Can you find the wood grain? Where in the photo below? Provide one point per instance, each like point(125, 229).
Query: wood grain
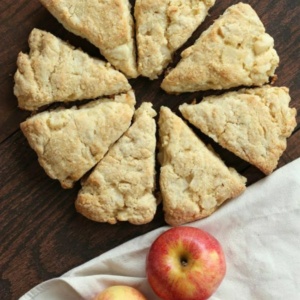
point(42, 236)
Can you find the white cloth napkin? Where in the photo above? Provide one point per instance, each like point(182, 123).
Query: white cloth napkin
point(259, 232)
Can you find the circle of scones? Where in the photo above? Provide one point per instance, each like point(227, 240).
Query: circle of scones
point(114, 156)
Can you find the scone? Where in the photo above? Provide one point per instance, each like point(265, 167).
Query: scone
point(106, 24)
point(69, 142)
point(120, 188)
point(234, 51)
point(194, 181)
point(252, 123)
point(54, 71)
point(162, 26)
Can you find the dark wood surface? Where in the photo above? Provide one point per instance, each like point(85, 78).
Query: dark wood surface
point(42, 236)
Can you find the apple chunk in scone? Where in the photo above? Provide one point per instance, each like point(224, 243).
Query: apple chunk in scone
point(194, 181)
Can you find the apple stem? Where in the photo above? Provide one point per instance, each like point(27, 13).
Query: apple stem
point(184, 261)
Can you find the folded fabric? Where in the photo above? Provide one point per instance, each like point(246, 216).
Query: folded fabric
point(259, 232)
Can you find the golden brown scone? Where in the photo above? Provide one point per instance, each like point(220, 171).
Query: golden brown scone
point(54, 71)
point(194, 181)
point(162, 26)
point(69, 142)
point(106, 24)
point(252, 123)
point(121, 186)
point(234, 51)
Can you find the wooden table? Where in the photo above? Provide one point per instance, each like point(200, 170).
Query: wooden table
point(42, 236)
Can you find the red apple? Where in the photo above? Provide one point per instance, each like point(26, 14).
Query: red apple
point(120, 292)
point(185, 263)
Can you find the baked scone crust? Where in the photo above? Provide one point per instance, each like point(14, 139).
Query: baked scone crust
point(234, 51)
point(162, 26)
point(121, 186)
point(194, 181)
point(106, 24)
point(252, 123)
point(69, 142)
point(54, 71)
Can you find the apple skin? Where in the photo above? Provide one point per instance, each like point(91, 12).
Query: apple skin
point(120, 292)
point(185, 263)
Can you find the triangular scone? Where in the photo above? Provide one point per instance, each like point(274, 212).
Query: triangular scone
point(234, 51)
point(252, 123)
point(121, 186)
point(55, 71)
point(194, 181)
point(162, 26)
point(106, 24)
point(69, 142)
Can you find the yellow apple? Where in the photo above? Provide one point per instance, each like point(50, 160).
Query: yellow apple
point(120, 292)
